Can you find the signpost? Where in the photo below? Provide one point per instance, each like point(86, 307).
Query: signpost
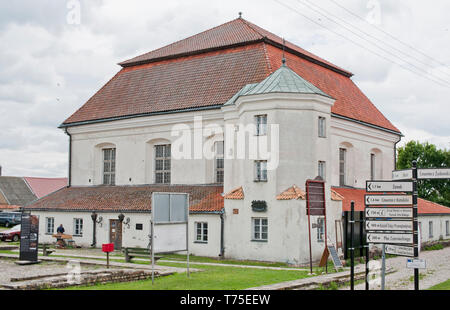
point(389, 187)
point(388, 200)
point(381, 238)
point(389, 213)
point(315, 205)
point(400, 250)
point(390, 225)
point(415, 263)
point(422, 174)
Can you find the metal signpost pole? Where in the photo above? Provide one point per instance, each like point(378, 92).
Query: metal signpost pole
point(383, 267)
point(152, 245)
point(187, 235)
point(352, 249)
point(309, 227)
point(366, 247)
point(415, 223)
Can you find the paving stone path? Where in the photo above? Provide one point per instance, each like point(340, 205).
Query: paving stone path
point(438, 271)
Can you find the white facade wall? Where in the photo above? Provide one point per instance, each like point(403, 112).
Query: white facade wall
point(130, 236)
point(439, 231)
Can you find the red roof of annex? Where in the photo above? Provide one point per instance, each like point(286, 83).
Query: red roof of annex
point(206, 70)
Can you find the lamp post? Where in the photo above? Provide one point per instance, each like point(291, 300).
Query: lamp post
point(94, 223)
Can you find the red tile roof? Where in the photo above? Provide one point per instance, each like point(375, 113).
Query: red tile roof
point(203, 198)
point(357, 195)
point(43, 186)
point(292, 193)
point(9, 207)
point(236, 194)
point(209, 68)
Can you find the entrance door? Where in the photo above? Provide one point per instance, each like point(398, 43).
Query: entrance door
point(115, 233)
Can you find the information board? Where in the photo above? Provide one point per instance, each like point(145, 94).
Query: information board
point(315, 197)
point(29, 237)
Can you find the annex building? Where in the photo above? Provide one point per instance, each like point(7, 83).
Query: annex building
point(123, 148)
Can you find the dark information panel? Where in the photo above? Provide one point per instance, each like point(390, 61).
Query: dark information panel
point(315, 197)
point(335, 257)
point(29, 235)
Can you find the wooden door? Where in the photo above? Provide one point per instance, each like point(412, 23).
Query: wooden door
point(115, 233)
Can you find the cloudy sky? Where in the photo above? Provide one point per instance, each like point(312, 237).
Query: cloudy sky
point(55, 54)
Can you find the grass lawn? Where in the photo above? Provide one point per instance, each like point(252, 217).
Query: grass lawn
point(209, 278)
point(444, 286)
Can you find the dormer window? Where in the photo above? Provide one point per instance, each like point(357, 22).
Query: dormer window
point(261, 125)
point(260, 171)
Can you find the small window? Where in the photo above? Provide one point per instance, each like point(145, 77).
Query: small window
point(430, 226)
point(322, 127)
point(78, 227)
point(162, 164)
point(321, 169)
point(372, 167)
point(109, 166)
point(342, 166)
point(139, 226)
point(320, 229)
point(260, 171)
point(420, 231)
point(219, 162)
point(50, 225)
point(261, 125)
point(201, 232)
point(260, 229)
point(447, 228)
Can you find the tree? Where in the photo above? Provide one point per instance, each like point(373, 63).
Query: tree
point(427, 156)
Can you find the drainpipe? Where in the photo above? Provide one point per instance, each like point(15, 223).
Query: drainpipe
point(222, 222)
point(395, 152)
point(70, 158)
point(94, 230)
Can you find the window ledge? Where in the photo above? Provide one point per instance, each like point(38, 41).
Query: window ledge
point(201, 242)
point(260, 181)
point(77, 236)
point(49, 234)
point(262, 241)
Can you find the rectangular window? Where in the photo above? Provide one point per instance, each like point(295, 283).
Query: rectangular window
point(162, 164)
point(420, 231)
point(109, 166)
point(49, 225)
point(320, 229)
point(139, 226)
point(219, 162)
point(260, 229)
point(447, 228)
point(430, 232)
point(261, 125)
point(322, 127)
point(372, 167)
point(78, 227)
point(342, 166)
point(321, 169)
point(260, 171)
point(201, 232)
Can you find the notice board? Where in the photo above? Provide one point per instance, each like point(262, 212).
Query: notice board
point(29, 237)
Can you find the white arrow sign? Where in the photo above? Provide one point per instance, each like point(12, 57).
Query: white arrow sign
point(416, 263)
point(389, 212)
point(402, 175)
point(387, 186)
point(388, 200)
point(390, 238)
point(399, 250)
point(390, 225)
point(433, 173)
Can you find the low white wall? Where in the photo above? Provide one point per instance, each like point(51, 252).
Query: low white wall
point(130, 236)
point(439, 229)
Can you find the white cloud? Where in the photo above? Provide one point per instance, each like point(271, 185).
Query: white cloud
point(49, 68)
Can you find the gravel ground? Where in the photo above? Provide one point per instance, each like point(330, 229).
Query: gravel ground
point(438, 271)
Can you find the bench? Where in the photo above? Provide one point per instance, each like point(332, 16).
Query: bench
point(46, 251)
point(130, 253)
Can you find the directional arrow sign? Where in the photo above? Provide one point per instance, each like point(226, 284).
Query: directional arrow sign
point(390, 225)
point(402, 175)
point(433, 173)
point(390, 238)
point(416, 263)
point(388, 200)
point(406, 213)
point(388, 186)
point(400, 250)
